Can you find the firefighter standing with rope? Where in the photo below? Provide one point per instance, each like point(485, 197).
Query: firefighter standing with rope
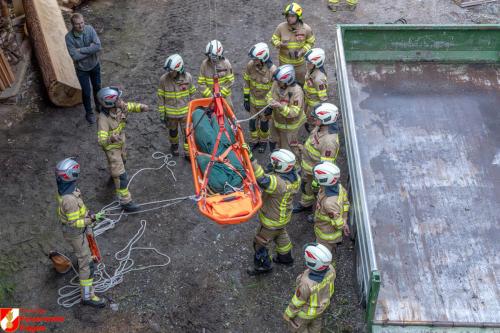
point(111, 136)
point(75, 218)
point(216, 64)
point(321, 145)
point(258, 79)
point(286, 100)
point(316, 84)
point(175, 91)
point(293, 39)
point(315, 288)
point(279, 186)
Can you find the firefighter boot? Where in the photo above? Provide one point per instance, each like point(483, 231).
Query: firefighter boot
point(174, 149)
point(131, 207)
point(284, 259)
point(261, 263)
point(88, 296)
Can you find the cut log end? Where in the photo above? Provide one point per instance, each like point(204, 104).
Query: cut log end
point(63, 95)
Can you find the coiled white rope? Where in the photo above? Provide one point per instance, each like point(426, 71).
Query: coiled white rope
point(69, 295)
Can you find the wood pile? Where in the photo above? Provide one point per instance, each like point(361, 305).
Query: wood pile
point(7, 77)
point(47, 30)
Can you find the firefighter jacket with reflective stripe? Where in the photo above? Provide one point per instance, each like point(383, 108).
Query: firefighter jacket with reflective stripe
point(315, 87)
point(258, 79)
point(114, 123)
point(277, 196)
point(290, 116)
point(311, 298)
point(295, 42)
point(206, 78)
point(321, 145)
point(72, 212)
point(331, 214)
point(174, 95)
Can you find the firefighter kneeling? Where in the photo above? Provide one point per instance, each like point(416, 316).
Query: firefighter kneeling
point(315, 288)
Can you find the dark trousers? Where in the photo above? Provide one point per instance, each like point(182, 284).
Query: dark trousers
point(86, 78)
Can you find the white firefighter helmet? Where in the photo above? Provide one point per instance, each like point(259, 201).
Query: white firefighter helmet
point(259, 51)
point(174, 63)
point(214, 49)
point(67, 170)
point(326, 173)
point(315, 56)
point(108, 96)
point(327, 113)
point(285, 74)
point(282, 160)
point(318, 257)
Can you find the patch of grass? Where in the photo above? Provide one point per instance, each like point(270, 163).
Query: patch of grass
point(8, 265)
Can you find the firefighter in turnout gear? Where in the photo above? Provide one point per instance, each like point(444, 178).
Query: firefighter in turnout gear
point(315, 288)
point(279, 186)
point(286, 100)
point(75, 218)
point(332, 206)
point(258, 79)
point(216, 64)
point(316, 84)
point(321, 145)
point(111, 136)
point(293, 39)
point(334, 5)
point(175, 91)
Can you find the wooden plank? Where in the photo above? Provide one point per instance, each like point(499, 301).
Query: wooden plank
point(47, 30)
point(8, 69)
point(20, 69)
point(18, 7)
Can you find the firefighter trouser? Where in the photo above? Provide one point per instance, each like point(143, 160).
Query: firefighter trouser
point(81, 249)
point(259, 126)
point(280, 237)
point(307, 196)
point(329, 245)
point(287, 139)
point(307, 325)
point(337, 2)
point(173, 125)
point(116, 161)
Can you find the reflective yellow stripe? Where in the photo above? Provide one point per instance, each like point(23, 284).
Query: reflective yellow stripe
point(257, 102)
point(86, 283)
point(133, 107)
point(272, 185)
point(295, 45)
point(292, 126)
point(289, 313)
point(113, 146)
point(269, 223)
point(122, 192)
point(310, 149)
point(292, 61)
point(161, 109)
point(259, 172)
point(306, 166)
point(225, 91)
point(313, 305)
point(328, 159)
point(192, 90)
point(328, 237)
point(246, 91)
point(296, 301)
point(246, 77)
point(275, 40)
point(312, 102)
point(207, 92)
point(176, 111)
point(284, 249)
point(174, 94)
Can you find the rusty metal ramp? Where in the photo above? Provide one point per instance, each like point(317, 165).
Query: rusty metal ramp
point(429, 145)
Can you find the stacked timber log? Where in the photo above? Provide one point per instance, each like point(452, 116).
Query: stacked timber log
point(47, 30)
point(7, 78)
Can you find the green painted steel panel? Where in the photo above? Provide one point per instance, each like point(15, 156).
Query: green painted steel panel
point(469, 43)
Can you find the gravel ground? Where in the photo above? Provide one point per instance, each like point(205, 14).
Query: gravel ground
point(205, 287)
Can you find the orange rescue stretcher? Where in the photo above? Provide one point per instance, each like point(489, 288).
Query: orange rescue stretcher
point(232, 208)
